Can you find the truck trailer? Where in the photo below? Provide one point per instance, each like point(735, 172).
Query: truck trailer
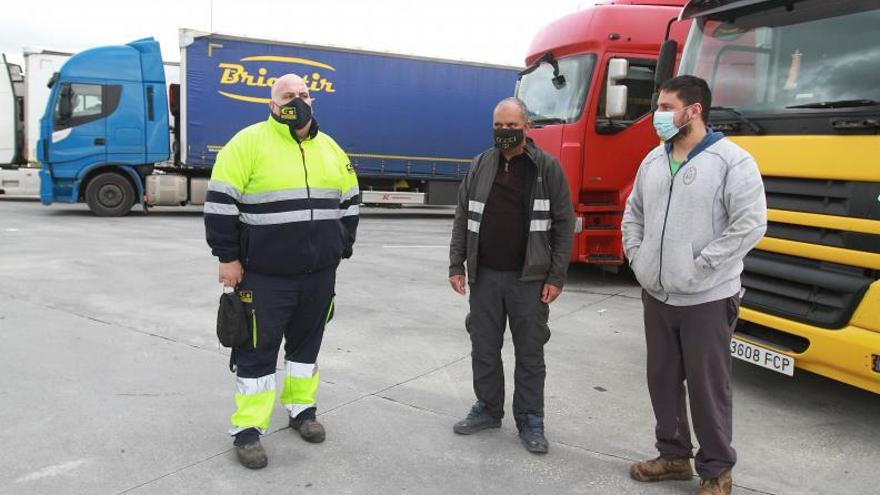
point(409, 124)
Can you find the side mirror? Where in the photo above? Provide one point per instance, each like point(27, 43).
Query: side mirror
point(65, 105)
point(615, 95)
point(665, 67)
point(665, 62)
point(559, 81)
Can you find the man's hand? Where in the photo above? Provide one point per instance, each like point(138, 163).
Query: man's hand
point(457, 282)
point(231, 273)
point(550, 293)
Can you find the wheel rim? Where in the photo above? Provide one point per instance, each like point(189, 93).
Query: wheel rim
point(110, 196)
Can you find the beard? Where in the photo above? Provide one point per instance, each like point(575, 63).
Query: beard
point(683, 132)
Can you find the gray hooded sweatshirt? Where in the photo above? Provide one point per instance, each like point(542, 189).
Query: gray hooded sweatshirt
point(685, 235)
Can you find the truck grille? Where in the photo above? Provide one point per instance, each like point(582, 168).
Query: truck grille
point(809, 291)
point(826, 237)
point(826, 197)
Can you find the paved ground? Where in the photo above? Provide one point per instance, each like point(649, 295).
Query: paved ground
point(112, 381)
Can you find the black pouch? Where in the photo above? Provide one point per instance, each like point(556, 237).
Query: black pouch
point(232, 321)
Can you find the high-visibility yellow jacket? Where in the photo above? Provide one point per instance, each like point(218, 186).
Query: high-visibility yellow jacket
point(280, 206)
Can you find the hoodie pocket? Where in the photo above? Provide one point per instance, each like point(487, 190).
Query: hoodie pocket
point(645, 265)
point(636, 266)
point(679, 275)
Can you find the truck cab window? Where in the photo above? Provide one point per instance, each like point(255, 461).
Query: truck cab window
point(640, 83)
point(778, 62)
point(78, 104)
point(549, 104)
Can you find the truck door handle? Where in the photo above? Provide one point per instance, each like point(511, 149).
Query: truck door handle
point(100, 141)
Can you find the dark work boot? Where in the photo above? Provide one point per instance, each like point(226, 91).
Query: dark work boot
point(308, 426)
point(531, 432)
point(478, 419)
point(249, 450)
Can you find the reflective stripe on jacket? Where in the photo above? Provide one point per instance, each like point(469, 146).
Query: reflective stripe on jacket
point(280, 206)
point(551, 218)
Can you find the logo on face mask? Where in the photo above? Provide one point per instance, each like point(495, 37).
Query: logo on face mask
point(288, 113)
point(296, 113)
point(506, 139)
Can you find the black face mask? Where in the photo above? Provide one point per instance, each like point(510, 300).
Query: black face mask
point(296, 114)
point(506, 139)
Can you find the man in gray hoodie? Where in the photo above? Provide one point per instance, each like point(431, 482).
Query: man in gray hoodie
point(696, 209)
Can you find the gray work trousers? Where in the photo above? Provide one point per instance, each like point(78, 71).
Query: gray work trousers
point(692, 344)
point(498, 298)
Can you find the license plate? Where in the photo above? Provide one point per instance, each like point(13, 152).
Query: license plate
point(764, 358)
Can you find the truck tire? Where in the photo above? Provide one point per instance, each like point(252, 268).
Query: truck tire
point(110, 195)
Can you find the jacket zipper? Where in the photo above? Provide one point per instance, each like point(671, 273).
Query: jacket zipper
point(311, 210)
point(665, 218)
point(254, 326)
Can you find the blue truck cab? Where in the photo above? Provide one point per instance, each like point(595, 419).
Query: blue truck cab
point(104, 127)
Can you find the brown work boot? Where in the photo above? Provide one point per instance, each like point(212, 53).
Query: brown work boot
point(662, 469)
point(309, 429)
point(721, 485)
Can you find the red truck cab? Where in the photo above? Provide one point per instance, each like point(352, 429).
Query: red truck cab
point(571, 65)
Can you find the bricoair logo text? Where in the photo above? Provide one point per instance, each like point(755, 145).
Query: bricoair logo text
point(246, 76)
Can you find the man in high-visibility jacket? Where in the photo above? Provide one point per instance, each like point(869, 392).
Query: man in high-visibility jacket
point(281, 212)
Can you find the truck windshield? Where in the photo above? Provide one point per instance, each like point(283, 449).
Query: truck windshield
point(549, 104)
point(820, 55)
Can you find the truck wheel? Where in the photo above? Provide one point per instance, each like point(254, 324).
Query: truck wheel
point(110, 195)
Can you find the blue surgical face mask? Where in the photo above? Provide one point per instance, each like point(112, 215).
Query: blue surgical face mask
point(664, 124)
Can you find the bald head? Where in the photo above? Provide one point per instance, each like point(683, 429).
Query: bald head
point(510, 107)
point(288, 87)
point(511, 122)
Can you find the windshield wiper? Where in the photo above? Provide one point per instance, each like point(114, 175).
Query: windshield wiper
point(837, 104)
point(547, 121)
point(751, 124)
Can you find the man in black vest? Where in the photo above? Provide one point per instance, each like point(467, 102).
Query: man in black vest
point(513, 227)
